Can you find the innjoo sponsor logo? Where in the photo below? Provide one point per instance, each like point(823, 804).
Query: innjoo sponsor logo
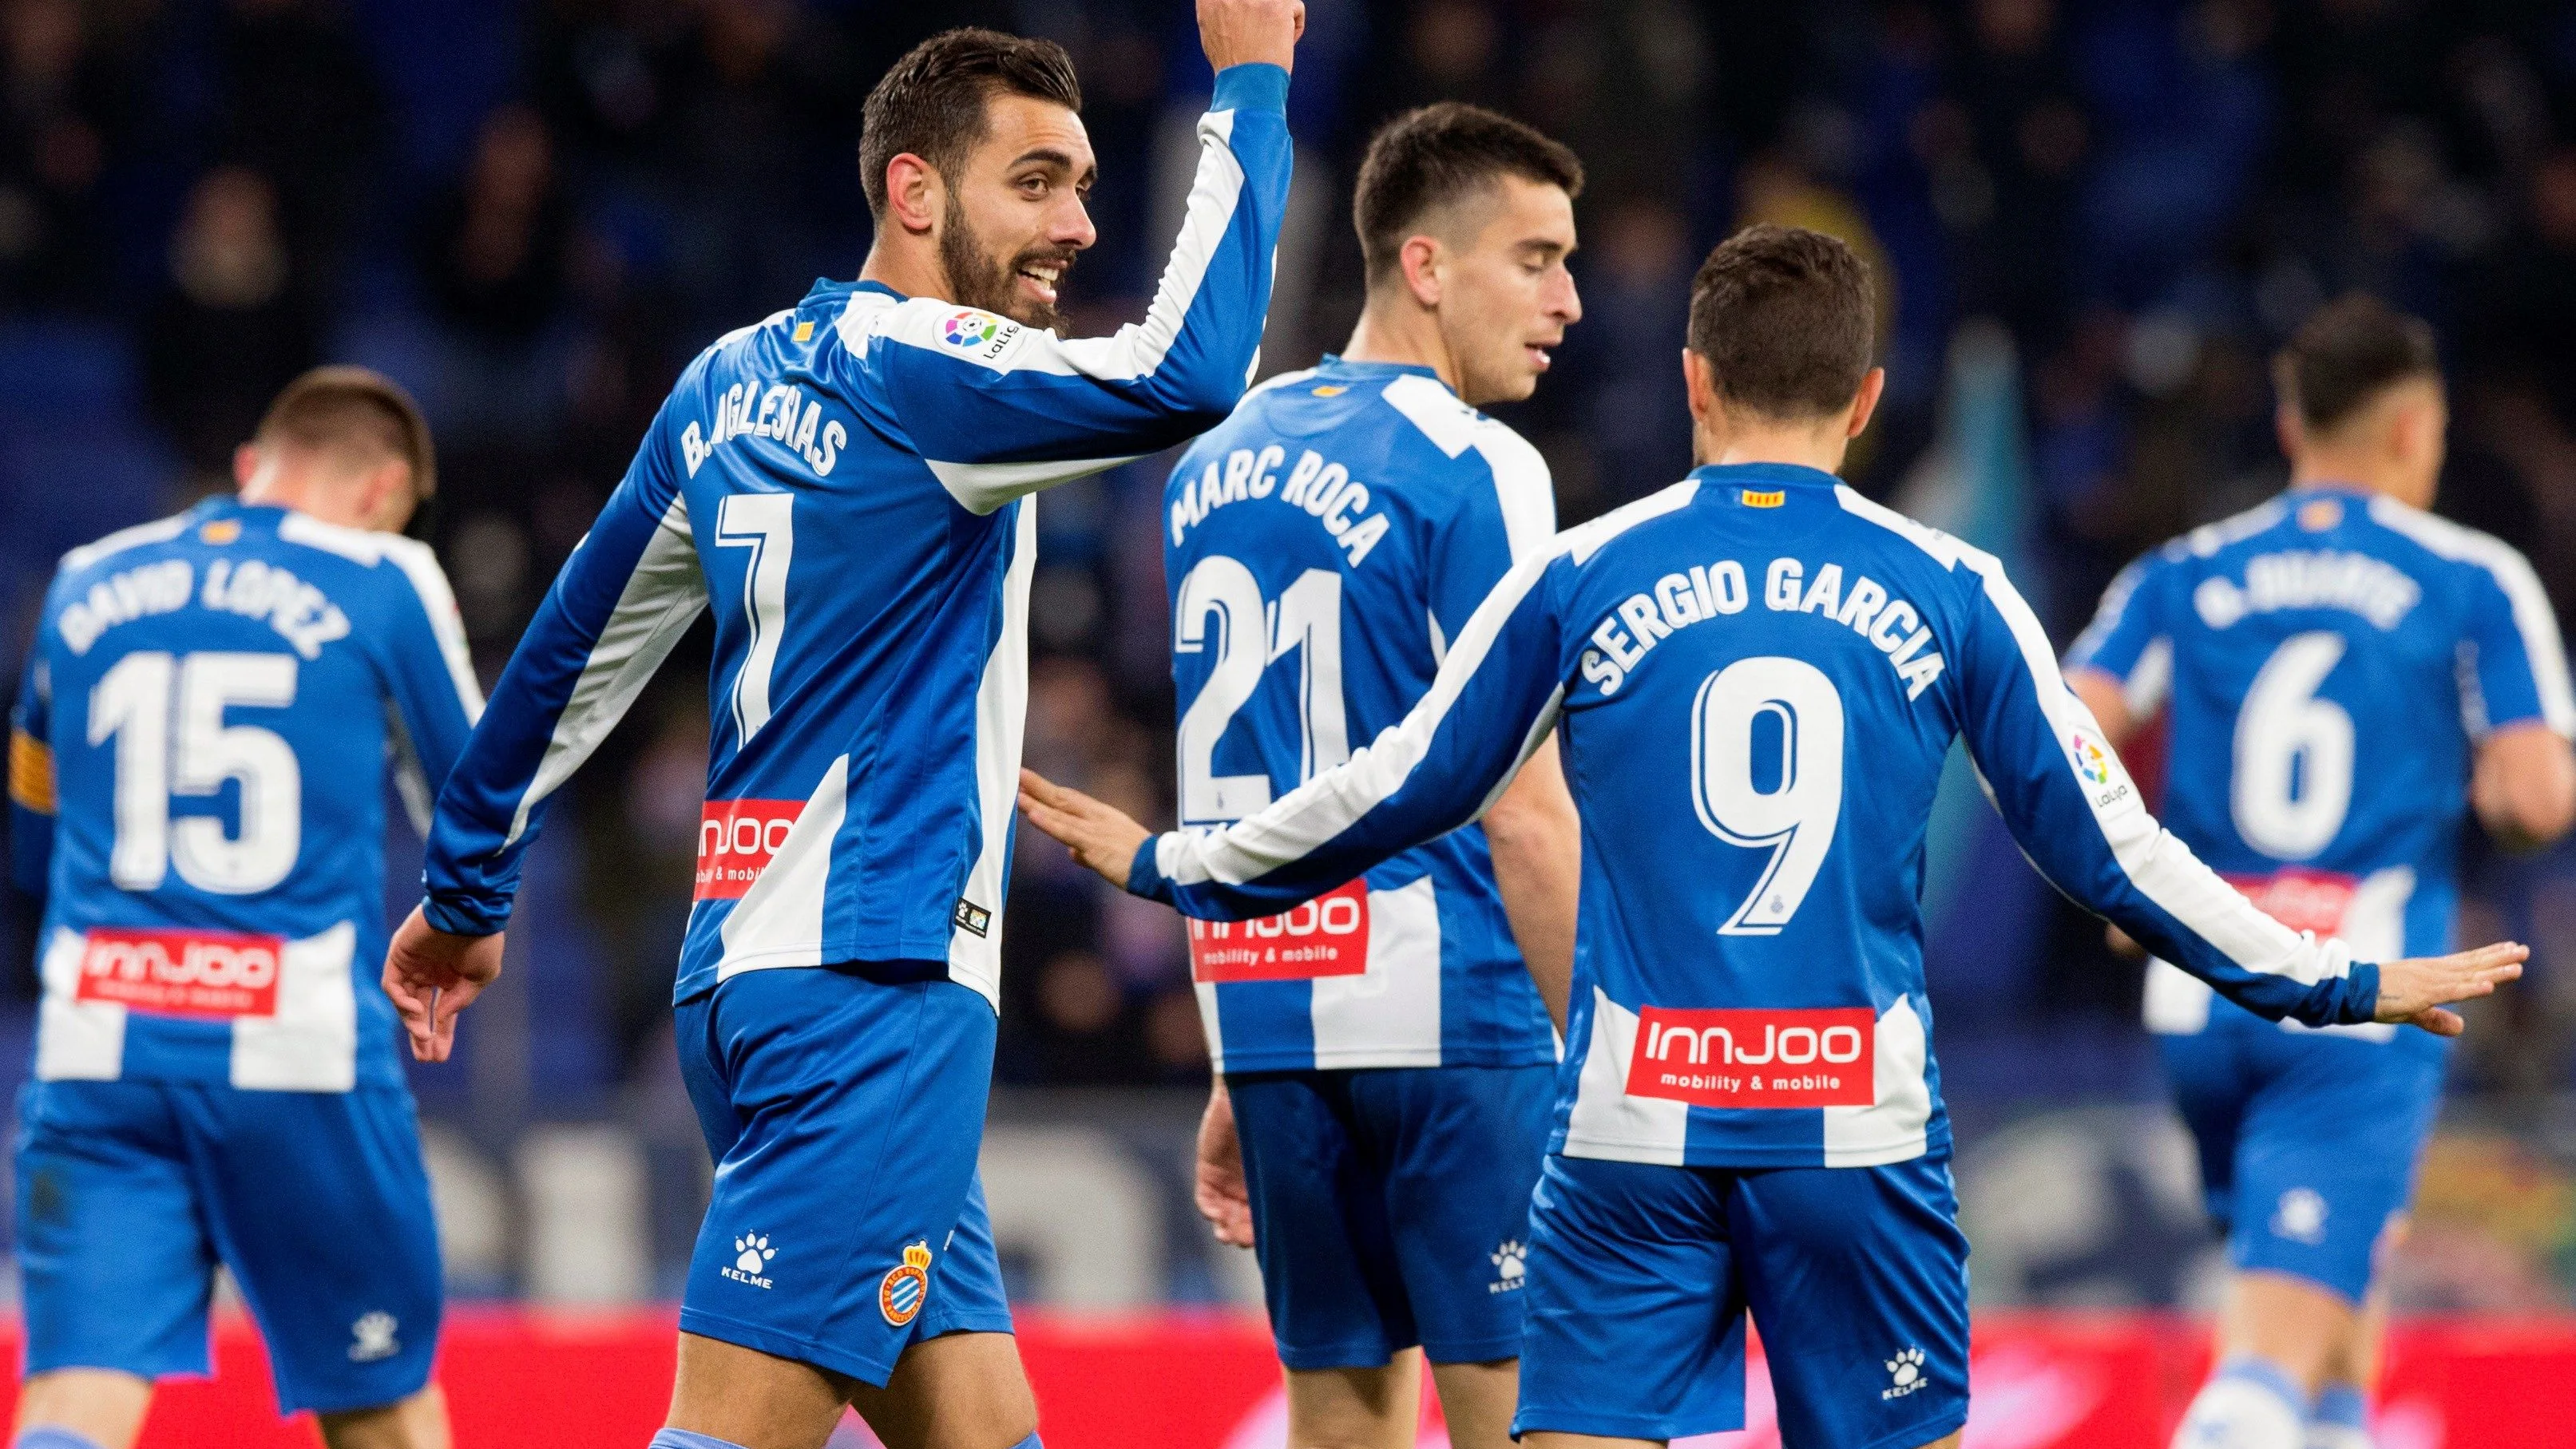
point(1327, 936)
point(182, 973)
point(736, 840)
point(1756, 1058)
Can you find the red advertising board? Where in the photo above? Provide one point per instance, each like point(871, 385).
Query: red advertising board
point(1183, 1380)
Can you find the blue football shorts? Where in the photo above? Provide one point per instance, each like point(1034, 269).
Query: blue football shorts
point(1641, 1276)
point(1390, 1207)
point(129, 1194)
point(2308, 1142)
point(843, 1106)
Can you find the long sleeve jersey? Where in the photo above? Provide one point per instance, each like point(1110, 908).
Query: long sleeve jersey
point(197, 780)
point(846, 486)
point(1758, 675)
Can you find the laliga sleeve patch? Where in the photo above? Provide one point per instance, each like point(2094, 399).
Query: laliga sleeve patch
point(970, 332)
point(907, 1286)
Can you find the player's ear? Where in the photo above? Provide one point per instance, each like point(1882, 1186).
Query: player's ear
point(245, 464)
point(2287, 428)
point(916, 194)
point(1419, 259)
point(1873, 386)
point(1699, 380)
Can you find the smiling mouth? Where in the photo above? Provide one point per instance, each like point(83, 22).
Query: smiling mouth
point(1041, 279)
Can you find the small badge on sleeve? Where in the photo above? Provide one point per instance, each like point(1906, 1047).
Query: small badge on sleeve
point(971, 917)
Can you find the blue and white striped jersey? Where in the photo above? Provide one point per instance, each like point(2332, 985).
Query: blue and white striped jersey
point(1758, 675)
point(2329, 658)
point(845, 484)
point(1322, 548)
point(197, 784)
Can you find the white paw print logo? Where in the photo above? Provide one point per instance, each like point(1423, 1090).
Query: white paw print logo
point(754, 1252)
point(1511, 1265)
point(2301, 1216)
point(1904, 1372)
point(373, 1338)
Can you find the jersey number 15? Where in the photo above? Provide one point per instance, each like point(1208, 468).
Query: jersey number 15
point(161, 753)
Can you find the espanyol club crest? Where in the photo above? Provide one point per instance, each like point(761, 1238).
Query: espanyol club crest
point(905, 1288)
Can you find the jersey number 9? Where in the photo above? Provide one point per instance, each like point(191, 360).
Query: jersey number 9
point(1795, 817)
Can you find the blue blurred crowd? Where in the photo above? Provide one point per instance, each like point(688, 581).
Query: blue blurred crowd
point(534, 211)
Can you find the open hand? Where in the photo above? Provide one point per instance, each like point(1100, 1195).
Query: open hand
point(1222, 1196)
point(2414, 991)
point(432, 975)
point(1100, 835)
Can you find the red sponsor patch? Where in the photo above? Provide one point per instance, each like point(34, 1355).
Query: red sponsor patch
point(2303, 900)
point(1327, 936)
point(214, 974)
point(736, 839)
point(1757, 1058)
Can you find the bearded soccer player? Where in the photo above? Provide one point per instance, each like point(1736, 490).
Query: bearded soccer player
point(846, 485)
point(2346, 675)
point(1757, 674)
point(197, 778)
point(1384, 1056)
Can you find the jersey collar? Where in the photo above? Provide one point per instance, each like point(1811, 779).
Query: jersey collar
point(1762, 476)
point(1340, 366)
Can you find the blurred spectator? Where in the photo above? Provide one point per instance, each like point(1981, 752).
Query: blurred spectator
point(57, 109)
point(1627, 349)
point(493, 250)
point(230, 330)
point(300, 104)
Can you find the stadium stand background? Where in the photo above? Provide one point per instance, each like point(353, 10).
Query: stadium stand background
point(2092, 222)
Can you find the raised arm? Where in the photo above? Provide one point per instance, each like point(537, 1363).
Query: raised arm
point(2061, 788)
point(999, 410)
point(1494, 699)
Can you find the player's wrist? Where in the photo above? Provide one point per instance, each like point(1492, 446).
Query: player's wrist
point(451, 916)
point(1252, 85)
point(1145, 873)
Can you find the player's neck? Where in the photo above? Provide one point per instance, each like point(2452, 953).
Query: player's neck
point(1402, 334)
point(2324, 468)
point(912, 270)
point(1804, 447)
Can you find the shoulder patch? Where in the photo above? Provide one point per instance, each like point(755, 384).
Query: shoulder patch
point(972, 332)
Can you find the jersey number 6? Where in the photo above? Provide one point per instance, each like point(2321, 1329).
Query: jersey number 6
point(1794, 703)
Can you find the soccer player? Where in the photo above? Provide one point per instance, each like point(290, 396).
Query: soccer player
point(197, 768)
point(1384, 1054)
point(2346, 674)
point(1757, 675)
point(846, 485)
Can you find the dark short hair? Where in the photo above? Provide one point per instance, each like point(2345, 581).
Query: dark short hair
point(1430, 157)
point(932, 102)
point(354, 410)
point(1786, 319)
point(2346, 354)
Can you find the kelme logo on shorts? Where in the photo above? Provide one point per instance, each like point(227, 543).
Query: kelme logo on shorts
point(907, 1286)
point(751, 1260)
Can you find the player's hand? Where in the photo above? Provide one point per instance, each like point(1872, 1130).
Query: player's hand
point(432, 975)
point(1245, 32)
point(1219, 1190)
point(1100, 836)
point(2415, 991)
point(2122, 944)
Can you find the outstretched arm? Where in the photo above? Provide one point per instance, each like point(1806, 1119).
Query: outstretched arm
point(1494, 699)
point(2061, 788)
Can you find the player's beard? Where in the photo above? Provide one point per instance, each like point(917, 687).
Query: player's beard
point(979, 281)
